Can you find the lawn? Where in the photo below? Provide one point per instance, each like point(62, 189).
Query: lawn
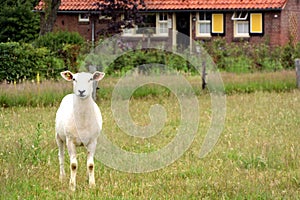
point(256, 157)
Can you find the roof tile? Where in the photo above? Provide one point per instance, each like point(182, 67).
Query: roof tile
point(214, 4)
point(78, 5)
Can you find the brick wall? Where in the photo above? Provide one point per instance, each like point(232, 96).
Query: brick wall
point(271, 34)
point(70, 22)
point(279, 26)
point(272, 30)
point(291, 22)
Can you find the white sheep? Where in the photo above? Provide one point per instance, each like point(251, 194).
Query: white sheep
point(78, 122)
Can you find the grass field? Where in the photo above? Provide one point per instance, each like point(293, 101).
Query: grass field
point(256, 157)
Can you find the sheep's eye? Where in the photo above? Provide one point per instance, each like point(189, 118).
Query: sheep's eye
point(73, 79)
point(91, 79)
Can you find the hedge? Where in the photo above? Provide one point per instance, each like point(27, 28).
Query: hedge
point(22, 61)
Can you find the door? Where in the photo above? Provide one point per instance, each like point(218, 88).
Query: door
point(183, 26)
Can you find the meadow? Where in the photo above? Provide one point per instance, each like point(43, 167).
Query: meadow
point(256, 157)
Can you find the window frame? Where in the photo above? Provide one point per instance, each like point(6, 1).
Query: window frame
point(205, 21)
point(239, 19)
point(160, 22)
point(83, 19)
point(236, 28)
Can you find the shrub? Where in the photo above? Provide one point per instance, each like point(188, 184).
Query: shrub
point(141, 58)
point(287, 55)
point(246, 57)
point(65, 45)
point(55, 41)
point(21, 61)
point(219, 51)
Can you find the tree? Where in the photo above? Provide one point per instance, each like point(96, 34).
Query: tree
point(48, 18)
point(17, 21)
point(113, 9)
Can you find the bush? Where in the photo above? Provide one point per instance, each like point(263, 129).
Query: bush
point(21, 61)
point(142, 59)
point(65, 45)
point(55, 41)
point(246, 57)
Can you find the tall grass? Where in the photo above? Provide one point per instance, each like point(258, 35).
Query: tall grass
point(46, 93)
point(50, 93)
point(280, 81)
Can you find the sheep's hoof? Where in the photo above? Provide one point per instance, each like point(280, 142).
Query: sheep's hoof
point(72, 187)
point(92, 185)
point(62, 178)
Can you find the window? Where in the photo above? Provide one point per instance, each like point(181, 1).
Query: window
point(241, 24)
point(203, 24)
point(153, 23)
point(208, 24)
point(162, 24)
point(148, 24)
point(242, 28)
point(83, 18)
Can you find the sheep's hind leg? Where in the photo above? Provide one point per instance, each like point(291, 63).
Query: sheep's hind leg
point(90, 163)
point(73, 164)
point(61, 157)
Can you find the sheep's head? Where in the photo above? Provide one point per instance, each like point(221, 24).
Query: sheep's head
point(82, 82)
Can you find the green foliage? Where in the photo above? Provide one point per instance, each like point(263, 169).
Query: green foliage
point(47, 56)
point(55, 41)
point(218, 50)
point(64, 45)
point(21, 61)
point(239, 57)
point(246, 57)
point(142, 60)
point(17, 21)
point(289, 54)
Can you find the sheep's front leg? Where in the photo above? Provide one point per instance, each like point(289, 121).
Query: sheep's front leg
point(91, 148)
point(61, 158)
point(73, 164)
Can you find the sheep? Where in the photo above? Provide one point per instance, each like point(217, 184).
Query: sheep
point(78, 122)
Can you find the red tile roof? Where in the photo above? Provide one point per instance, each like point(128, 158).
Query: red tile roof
point(214, 4)
point(72, 5)
point(78, 5)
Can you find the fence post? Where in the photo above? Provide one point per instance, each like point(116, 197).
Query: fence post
point(92, 69)
point(297, 65)
point(204, 75)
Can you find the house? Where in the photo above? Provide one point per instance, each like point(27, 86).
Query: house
point(256, 21)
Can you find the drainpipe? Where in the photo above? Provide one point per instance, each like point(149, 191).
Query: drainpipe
point(191, 33)
point(93, 33)
point(174, 31)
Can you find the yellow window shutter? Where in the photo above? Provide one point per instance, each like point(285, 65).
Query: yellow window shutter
point(256, 23)
point(217, 23)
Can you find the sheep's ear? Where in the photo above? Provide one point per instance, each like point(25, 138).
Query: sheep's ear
point(67, 75)
point(97, 76)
